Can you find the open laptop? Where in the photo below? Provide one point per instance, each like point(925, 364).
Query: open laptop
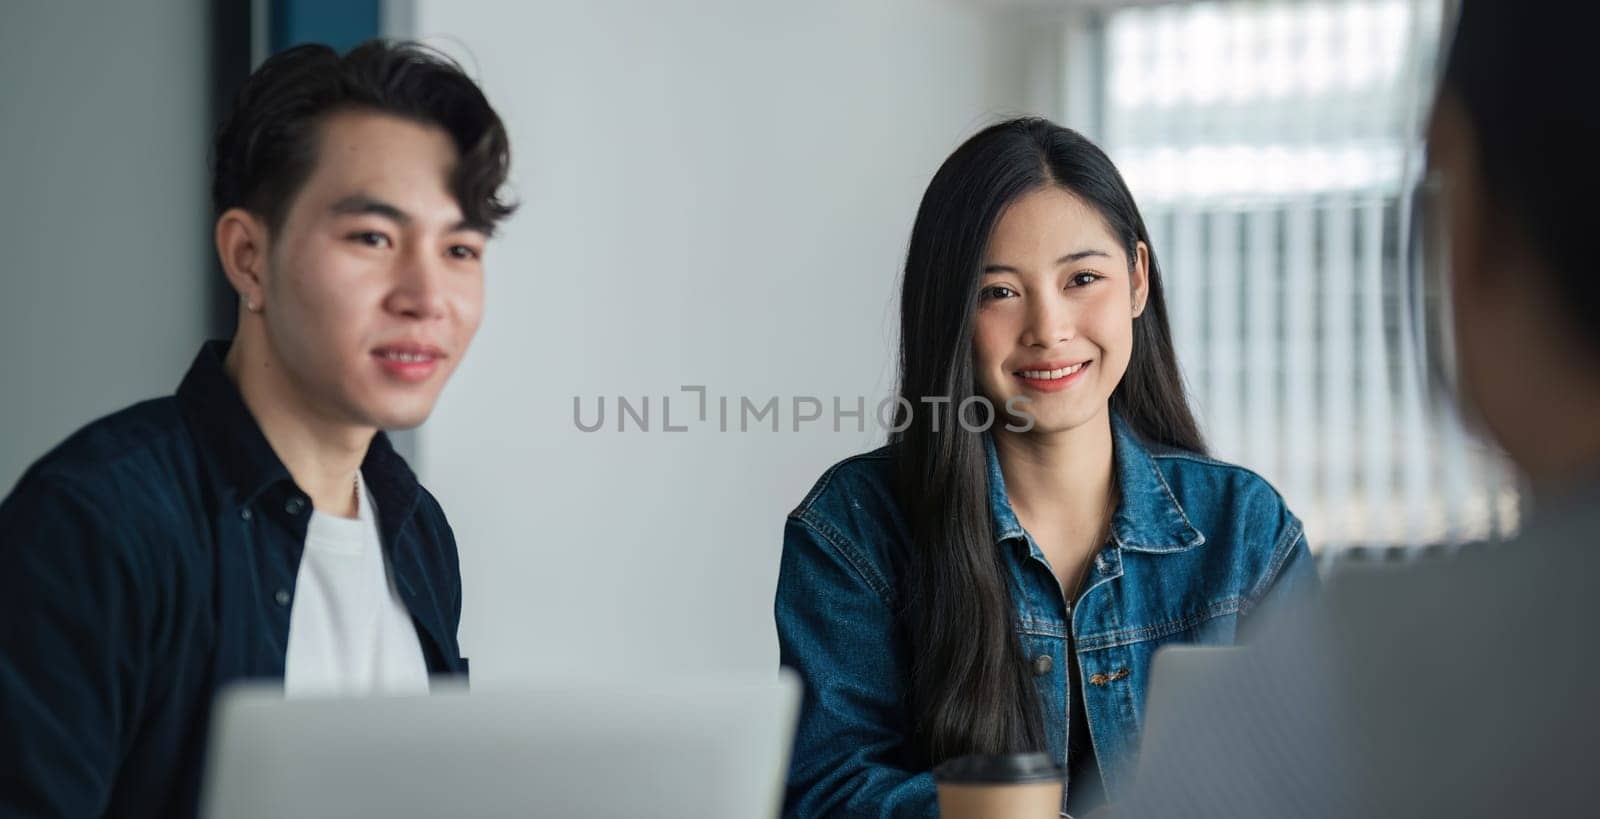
point(1222, 738)
point(1175, 672)
point(710, 748)
point(1461, 688)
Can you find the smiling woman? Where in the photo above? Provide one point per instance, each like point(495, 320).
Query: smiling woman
point(1043, 320)
point(989, 590)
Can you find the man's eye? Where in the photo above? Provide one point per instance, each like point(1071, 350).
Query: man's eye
point(463, 252)
point(371, 238)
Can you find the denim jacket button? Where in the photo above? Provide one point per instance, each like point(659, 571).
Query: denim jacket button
point(282, 597)
point(294, 505)
point(1042, 665)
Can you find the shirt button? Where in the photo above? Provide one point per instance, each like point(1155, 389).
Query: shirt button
point(1042, 665)
point(282, 597)
point(244, 514)
point(294, 505)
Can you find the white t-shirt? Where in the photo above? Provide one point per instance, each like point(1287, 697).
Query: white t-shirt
point(349, 634)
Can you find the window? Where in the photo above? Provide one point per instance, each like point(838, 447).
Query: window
point(1267, 145)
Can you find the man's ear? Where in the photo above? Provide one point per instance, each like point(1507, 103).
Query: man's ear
point(1140, 277)
point(242, 238)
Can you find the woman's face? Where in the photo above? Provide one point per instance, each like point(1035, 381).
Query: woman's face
point(1056, 305)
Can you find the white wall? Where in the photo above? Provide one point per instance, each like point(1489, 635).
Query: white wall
point(103, 216)
point(715, 194)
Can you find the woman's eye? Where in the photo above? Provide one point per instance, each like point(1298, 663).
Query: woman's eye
point(1081, 279)
point(371, 238)
point(998, 291)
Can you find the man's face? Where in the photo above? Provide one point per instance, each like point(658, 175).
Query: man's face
point(374, 286)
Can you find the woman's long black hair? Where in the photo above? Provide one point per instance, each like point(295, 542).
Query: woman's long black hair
point(972, 690)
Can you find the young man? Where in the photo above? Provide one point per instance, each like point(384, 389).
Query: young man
point(258, 524)
point(1464, 688)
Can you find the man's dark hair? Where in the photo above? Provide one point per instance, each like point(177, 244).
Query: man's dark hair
point(266, 146)
point(1524, 72)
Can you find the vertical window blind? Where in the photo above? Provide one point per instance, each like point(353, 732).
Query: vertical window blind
point(1267, 145)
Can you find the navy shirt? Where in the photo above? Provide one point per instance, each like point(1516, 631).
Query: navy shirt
point(147, 561)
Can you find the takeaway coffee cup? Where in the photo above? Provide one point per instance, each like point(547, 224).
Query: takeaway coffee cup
point(1008, 786)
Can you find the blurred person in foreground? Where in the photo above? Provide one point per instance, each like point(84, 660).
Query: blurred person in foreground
point(1469, 687)
point(258, 524)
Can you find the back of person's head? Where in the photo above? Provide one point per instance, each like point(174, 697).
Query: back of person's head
point(1524, 73)
point(266, 145)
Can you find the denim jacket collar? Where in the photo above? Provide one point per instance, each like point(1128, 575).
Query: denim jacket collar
point(1148, 518)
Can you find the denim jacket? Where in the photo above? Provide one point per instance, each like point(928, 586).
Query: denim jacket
point(1196, 547)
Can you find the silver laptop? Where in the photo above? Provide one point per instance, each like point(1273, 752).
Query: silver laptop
point(1175, 671)
point(1212, 716)
point(710, 748)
